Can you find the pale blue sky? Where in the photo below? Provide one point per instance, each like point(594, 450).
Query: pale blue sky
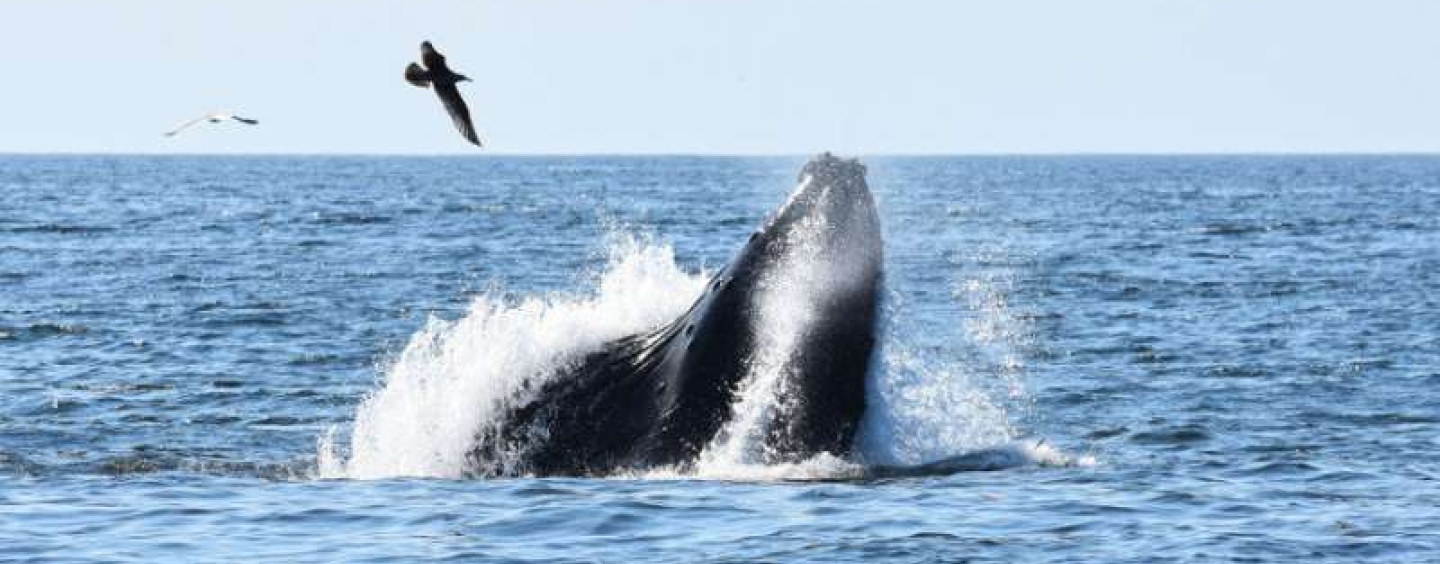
point(734, 76)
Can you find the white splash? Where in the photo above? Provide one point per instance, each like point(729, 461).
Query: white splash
point(455, 376)
point(823, 466)
point(920, 410)
point(938, 405)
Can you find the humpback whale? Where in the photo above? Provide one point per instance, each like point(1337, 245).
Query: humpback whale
point(797, 304)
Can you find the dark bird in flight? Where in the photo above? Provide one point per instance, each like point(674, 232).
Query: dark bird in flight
point(437, 74)
point(212, 117)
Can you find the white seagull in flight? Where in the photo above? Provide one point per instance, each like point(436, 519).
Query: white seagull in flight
point(212, 117)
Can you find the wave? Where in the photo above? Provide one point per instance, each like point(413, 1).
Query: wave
point(42, 330)
point(826, 467)
point(59, 229)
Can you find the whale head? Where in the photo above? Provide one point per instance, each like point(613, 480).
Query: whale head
point(795, 310)
point(768, 365)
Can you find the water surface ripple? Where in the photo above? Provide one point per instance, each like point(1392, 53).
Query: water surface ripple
point(1244, 351)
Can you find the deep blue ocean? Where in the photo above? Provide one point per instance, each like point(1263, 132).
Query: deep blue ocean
point(1097, 359)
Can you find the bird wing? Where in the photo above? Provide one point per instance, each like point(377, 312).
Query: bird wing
point(187, 124)
point(417, 76)
point(433, 60)
point(459, 113)
point(246, 121)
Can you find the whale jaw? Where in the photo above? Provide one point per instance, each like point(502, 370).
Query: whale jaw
point(794, 310)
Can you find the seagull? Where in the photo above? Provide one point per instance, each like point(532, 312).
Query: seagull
point(444, 80)
point(212, 117)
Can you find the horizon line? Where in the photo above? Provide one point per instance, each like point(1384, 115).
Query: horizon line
point(722, 154)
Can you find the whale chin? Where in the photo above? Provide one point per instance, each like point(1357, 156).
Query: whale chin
point(768, 365)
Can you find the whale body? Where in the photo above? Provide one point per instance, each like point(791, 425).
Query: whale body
point(797, 304)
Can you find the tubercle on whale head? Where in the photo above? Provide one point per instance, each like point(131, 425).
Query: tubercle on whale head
point(831, 212)
point(829, 187)
point(830, 223)
point(826, 168)
point(831, 193)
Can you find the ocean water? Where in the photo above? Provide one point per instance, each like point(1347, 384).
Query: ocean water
point(1106, 359)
